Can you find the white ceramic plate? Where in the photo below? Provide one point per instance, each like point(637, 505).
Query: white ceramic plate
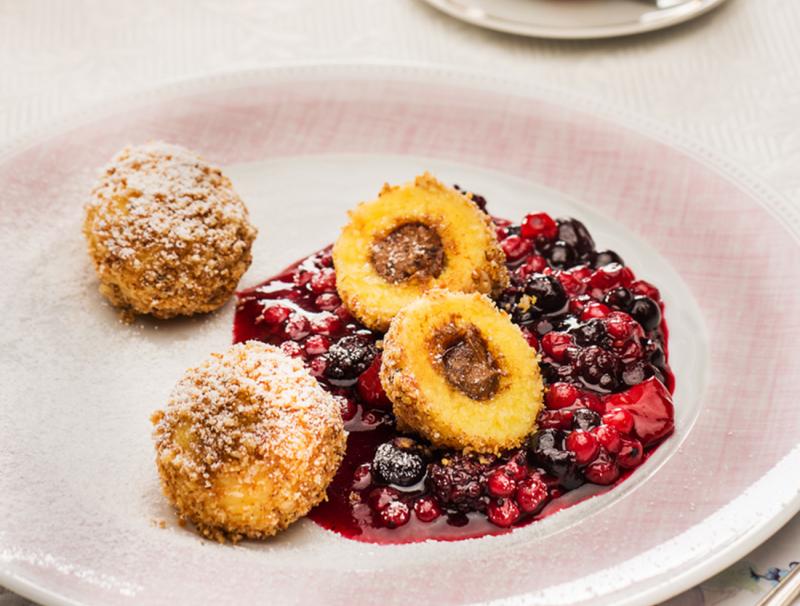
point(79, 494)
point(574, 19)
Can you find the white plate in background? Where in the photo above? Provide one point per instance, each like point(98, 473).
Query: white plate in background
point(573, 19)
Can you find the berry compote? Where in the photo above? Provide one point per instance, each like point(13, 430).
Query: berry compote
point(602, 342)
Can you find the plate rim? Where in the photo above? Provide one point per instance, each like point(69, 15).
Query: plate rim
point(561, 33)
point(742, 177)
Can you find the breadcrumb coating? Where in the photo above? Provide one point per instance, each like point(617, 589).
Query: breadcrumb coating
point(380, 269)
point(166, 231)
point(247, 443)
point(428, 400)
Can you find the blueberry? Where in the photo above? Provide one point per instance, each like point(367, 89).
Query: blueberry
point(561, 255)
point(655, 353)
point(592, 332)
point(550, 372)
point(646, 312)
point(549, 294)
point(619, 298)
point(545, 440)
point(561, 464)
point(542, 243)
point(543, 326)
point(574, 233)
point(399, 463)
point(635, 373)
point(349, 357)
point(585, 419)
point(545, 451)
point(479, 200)
point(604, 257)
point(507, 301)
point(571, 476)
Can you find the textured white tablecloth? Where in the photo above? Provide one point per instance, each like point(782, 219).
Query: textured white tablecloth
point(730, 79)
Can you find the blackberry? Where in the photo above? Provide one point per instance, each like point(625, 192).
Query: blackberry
point(598, 368)
point(592, 332)
point(565, 373)
point(349, 357)
point(399, 462)
point(459, 483)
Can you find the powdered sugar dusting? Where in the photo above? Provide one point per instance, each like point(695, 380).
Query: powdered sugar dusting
point(173, 197)
point(249, 403)
point(167, 232)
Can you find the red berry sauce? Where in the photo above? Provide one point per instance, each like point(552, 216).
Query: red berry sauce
point(603, 351)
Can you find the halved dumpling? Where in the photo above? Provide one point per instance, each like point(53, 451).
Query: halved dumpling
point(460, 373)
point(411, 239)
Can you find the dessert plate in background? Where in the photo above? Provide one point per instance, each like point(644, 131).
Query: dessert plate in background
point(80, 504)
point(574, 19)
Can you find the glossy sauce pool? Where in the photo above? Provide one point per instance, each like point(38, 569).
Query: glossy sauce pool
point(300, 311)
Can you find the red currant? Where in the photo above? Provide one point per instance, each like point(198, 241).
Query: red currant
point(317, 344)
point(427, 509)
point(369, 386)
point(602, 471)
point(328, 301)
point(395, 514)
point(502, 512)
point(555, 419)
point(594, 310)
point(584, 445)
point(561, 395)
point(620, 325)
point(555, 344)
point(631, 453)
point(275, 314)
point(499, 484)
point(539, 224)
point(516, 247)
point(608, 437)
point(531, 494)
point(323, 281)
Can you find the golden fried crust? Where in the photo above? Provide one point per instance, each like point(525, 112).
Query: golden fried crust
point(474, 261)
point(166, 232)
point(247, 443)
point(423, 399)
